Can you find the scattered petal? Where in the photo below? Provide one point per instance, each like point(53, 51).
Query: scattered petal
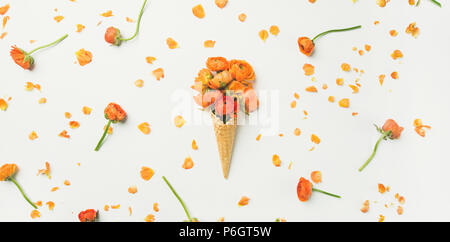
point(158, 73)
point(144, 128)
point(147, 173)
point(179, 121)
point(244, 201)
point(316, 176)
point(198, 11)
point(188, 163)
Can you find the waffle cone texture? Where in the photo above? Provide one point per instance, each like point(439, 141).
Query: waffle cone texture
point(225, 134)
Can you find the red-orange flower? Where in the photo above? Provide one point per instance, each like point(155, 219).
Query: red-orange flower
point(21, 58)
point(391, 125)
point(389, 130)
point(115, 113)
point(7, 170)
point(304, 189)
point(113, 36)
point(306, 45)
point(217, 64)
point(241, 70)
point(89, 215)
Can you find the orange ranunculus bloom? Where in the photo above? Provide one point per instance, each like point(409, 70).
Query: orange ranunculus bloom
point(217, 64)
point(241, 70)
point(202, 80)
point(115, 113)
point(251, 100)
point(205, 100)
point(304, 189)
point(21, 58)
point(237, 86)
point(7, 170)
point(306, 45)
point(220, 80)
point(113, 36)
point(88, 215)
point(391, 125)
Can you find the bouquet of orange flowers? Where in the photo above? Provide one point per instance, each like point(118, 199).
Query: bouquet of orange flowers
point(225, 87)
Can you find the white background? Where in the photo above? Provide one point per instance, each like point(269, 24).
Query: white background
point(413, 166)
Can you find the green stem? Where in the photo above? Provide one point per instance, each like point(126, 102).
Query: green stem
point(386, 134)
point(103, 136)
point(326, 193)
point(138, 23)
point(418, 2)
point(23, 193)
point(336, 30)
point(179, 199)
point(437, 3)
point(45, 46)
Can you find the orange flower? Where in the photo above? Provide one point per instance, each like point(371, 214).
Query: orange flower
point(389, 130)
point(220, 80)
point(237, 87)
point(24, 59)
point(115, 113)
point(202, 80)
point(391, 125)
point(113, 36)
point(251, 100)
point(7, 171)
point(304, 189)
point(21, 58)
point(306, 45)
point(217, 64)
point(242, 71)
point(89, 215)
point(205, 100)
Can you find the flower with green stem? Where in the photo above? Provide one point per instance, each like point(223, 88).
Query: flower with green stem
point(24, 59)
point(305, 189)
point(434, 1)
point(113, 35)
point(389, 130)
point(7, 173)
point(190, 219)
point(113, 113)
point(307, 45)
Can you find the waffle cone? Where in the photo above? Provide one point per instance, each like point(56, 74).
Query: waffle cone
point(225, 134)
